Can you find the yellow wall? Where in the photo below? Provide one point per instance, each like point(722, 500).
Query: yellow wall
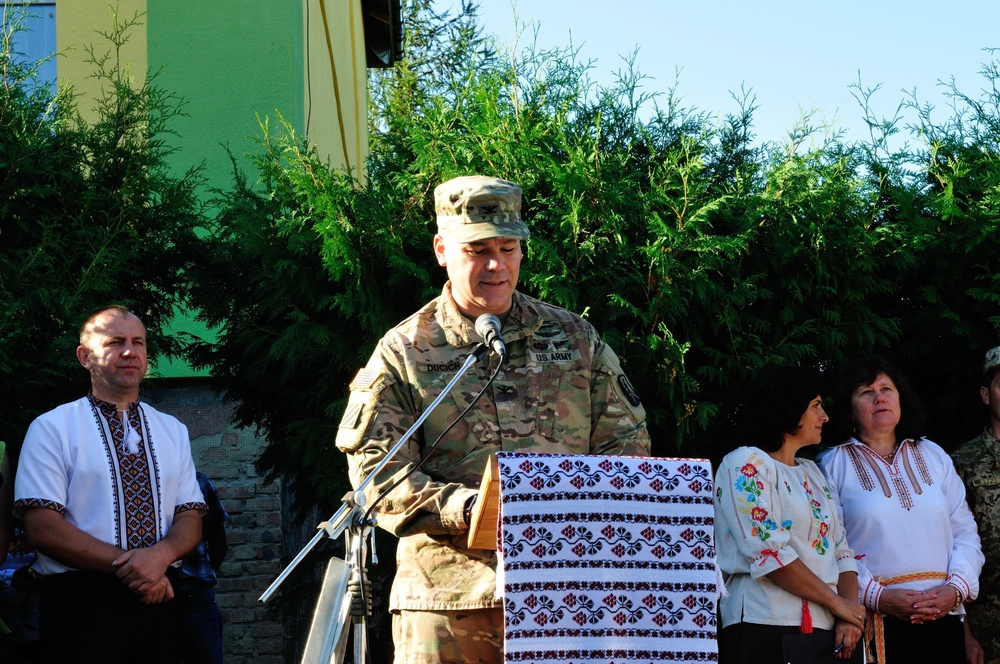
point(77, 26)
point(336, 98)
point(230, 61)
point(335, 92)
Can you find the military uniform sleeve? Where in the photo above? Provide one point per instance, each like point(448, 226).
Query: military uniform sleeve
point(618, 420)
point(966, 561)
point(378, 414)
point(966, 471)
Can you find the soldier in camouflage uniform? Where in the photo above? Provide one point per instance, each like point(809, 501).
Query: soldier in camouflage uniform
point(978, 463)
point(561, 390)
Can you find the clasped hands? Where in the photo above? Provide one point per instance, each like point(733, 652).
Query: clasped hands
point(850, 621)
point(918, 606)
point(144, 572)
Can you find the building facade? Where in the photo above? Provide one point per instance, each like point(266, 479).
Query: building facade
point(235, 64)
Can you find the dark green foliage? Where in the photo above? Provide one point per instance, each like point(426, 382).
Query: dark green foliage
point(699, 254)
point(952, 291)
point(303, 275)
point(89, 215)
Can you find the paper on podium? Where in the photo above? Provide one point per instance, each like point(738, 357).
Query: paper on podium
point(485, 517)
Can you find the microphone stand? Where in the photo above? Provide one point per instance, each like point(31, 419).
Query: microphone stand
point(350, 519)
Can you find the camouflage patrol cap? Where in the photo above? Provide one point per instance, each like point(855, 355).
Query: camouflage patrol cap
point(992, 360)
point(476, 207)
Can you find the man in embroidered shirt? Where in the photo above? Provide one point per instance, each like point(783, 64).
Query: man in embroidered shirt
point(106, 487)
point(978, 463)
point(560, 390)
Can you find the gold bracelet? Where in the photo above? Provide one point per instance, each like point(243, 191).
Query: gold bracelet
point(958, 598)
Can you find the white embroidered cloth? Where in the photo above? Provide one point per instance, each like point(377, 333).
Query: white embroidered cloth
point(607, 559)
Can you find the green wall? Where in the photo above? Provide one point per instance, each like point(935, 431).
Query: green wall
point(228, 76)
point(231, 61)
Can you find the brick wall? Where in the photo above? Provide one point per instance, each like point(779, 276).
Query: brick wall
point(251, 632)
point(263, 538)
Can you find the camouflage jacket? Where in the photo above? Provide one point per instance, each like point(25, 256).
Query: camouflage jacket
point(561, 390)
point(978, 464)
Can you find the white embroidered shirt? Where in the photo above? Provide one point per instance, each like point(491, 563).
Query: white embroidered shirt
point(907, 520)
point(768, 514)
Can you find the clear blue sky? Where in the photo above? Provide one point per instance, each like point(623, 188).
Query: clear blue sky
point(793, 55)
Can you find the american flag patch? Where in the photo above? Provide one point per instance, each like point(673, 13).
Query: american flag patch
point(364, 380)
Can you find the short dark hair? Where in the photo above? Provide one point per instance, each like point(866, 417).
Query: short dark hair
point(864, 371)
point(119, 309)
point(773, 404)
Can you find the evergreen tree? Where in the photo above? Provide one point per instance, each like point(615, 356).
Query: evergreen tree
point(700, 255)
point(90, 215)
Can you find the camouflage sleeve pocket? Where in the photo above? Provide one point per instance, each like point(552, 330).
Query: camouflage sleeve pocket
point(608, 367)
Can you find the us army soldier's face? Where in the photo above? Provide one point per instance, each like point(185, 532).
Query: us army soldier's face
point(483, 274)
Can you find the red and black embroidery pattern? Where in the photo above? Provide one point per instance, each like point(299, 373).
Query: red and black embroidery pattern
point(872, 468)
point(607, 559)
point(133, 475)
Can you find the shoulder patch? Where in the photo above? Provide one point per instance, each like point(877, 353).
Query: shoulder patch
point(629, 391)
point(352, 415)
point(364, 379)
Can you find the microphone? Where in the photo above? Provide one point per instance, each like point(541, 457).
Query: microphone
point(488, 327)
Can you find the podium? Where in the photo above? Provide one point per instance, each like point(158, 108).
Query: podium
point(602, 556)
point(484, 520)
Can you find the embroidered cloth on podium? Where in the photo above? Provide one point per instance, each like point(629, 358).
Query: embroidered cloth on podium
point(607, 559)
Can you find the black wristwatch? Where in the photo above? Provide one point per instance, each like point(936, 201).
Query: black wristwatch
point(468, 509)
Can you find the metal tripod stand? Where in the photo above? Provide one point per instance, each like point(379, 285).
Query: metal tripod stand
point(345, 597)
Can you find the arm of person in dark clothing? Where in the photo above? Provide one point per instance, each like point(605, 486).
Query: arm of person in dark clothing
point(215, 536)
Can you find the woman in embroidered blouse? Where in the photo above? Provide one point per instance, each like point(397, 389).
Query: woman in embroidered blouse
point(779, 540)
point(905, 512)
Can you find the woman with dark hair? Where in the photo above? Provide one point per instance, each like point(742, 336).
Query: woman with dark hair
point(779, 540)
point(904, 508)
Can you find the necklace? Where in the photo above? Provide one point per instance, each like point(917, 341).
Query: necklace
point(885, 457)
point(888, 457)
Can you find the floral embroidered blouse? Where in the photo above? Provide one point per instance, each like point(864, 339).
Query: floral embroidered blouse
point(768, 514)
point(907, 519)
